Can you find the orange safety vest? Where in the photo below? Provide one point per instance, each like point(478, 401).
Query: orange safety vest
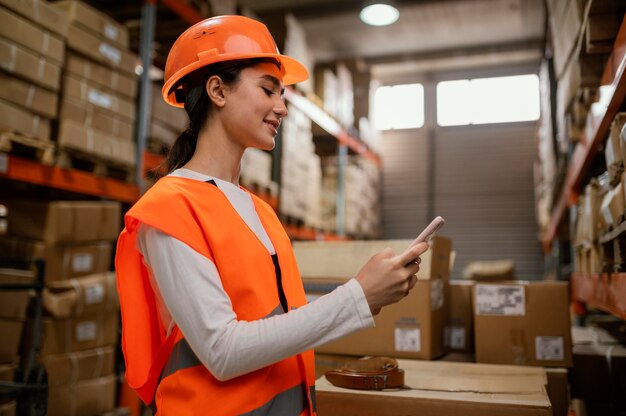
point(163, 369)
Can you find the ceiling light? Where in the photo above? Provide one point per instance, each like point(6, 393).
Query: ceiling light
point(379, 14)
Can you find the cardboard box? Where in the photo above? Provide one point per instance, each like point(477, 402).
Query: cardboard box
point(65, 221)
point(24, 64)
point(444, 389)
point(40, 12)
point(96, 22)
point(344, 259)
point(8, 409)
point(61, 336)
point(17, 120)
point(510, 325)
point(7, 371)
point(411, 328)
point(558, 390)
point(28, 96)
point(31, 37)
point(111, 149)
point(459, 331)
point(88, 94)
point(13, 303)
point(96, 118)
point(84, 42)
point(103, 76)
point(91, 294)
point(84, 398)
point(11, 333)
point(78, 366)
point(174, 118)
point(63, 261)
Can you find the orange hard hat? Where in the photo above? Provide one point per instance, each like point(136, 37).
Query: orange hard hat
point(223, 38)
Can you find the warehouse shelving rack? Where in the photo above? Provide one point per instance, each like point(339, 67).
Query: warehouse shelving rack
point(30, 388)
point(606, 291)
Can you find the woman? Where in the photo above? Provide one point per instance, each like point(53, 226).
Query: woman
point(214, 316)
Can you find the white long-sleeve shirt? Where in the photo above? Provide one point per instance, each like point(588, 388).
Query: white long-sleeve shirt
point(190, 294)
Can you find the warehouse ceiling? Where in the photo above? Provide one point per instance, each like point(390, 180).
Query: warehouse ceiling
point(430, 34)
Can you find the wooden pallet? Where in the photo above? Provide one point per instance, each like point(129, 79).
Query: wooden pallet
point(75, 159)
point(27, 147)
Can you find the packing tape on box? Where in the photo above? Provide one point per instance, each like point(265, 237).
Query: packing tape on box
point(35, 126)
point(42, 67)
point(30, 96)
point(99, 367)
point(75, 370)
point(114, 80)
point(12, 62)
point(46, 42)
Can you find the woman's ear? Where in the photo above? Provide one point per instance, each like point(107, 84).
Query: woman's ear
point(215, 89)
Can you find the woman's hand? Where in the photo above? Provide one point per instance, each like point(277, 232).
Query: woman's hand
point(387, 278)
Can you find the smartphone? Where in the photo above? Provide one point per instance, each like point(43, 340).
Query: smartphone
point(428, 232)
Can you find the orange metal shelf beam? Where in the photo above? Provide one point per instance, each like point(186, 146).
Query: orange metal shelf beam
point(603, 291)
point(594, 135)
point(182, 9)
point(325, 121)
point(29, 171)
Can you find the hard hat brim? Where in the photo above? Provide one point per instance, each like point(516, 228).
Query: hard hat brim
point(292, 71)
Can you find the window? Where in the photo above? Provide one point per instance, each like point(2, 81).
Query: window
point(488, 100)
point(399, 107)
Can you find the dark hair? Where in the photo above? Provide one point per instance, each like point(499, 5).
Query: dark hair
point(198, 105)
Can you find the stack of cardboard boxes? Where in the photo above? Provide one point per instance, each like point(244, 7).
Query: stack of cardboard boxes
point(32, 51)
point(80, 325)
point(166, 122)
point(521, 355)
point(97, 113)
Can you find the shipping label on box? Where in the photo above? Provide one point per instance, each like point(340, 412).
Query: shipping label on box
point(458, 334)
point(500, 300)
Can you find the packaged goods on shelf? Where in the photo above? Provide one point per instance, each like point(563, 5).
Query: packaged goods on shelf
point(412, 328)
point(510, 325)
point(87, 397)
point(29, 97)
point(107, 148)
point(100, 48)
point(24, 64)
point(63, 261)
point(42, 13)
point(296, 47)
point(30, 125)
point(13, 304)
point(94, 21)
point(445, 389)
point(64, 221)
point(97, 118)
point(459, 331)
point(30, 36)
point(102, 76)
point(61, 336)
point(88, 94)
point(75, 297)
point(78, 366)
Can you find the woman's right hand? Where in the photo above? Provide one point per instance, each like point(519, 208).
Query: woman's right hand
point(387, 278)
